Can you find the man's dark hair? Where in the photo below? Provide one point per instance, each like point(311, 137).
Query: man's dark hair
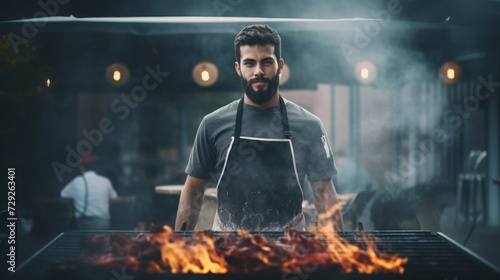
point(258, 34)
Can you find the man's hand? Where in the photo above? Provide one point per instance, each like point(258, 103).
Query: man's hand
point(190, 203)
point(327, 204)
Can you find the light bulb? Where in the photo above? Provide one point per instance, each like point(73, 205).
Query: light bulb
point(117, 75)
point(205, 75)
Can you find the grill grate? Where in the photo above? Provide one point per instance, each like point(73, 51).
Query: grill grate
point(431, 256)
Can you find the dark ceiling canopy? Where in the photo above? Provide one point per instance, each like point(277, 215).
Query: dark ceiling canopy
point(88, 35)
point(464, 12)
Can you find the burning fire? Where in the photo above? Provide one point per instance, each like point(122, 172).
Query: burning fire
point(206, 252)
point(364, 259)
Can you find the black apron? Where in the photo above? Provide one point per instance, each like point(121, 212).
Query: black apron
point(259, 188)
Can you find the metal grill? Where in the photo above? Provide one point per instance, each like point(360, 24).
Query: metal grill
point(431, 256)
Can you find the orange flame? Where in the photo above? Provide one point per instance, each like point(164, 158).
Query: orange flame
point(357, 259)
point(184, 256)
point(354, 258)
point(166, 251)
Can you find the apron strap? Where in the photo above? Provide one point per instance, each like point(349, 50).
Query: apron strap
point(237, 125)
point(284, 119)
point(239, 117)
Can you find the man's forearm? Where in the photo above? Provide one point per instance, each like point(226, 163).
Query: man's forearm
point(190, 203)
point(327, 204)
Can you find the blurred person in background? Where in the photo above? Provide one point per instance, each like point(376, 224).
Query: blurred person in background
point(91, 194)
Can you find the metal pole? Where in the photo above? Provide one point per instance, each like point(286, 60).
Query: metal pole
point(354, 119)
point(493, 136)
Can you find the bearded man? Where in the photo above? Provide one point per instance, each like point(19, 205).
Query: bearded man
point(259, 150)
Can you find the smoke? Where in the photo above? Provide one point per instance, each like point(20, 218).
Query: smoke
point(392, 125)
point(401, 122)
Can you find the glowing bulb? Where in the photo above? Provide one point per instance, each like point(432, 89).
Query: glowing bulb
point(117, 75)
point(205, 73)
point(48, 82)
point(364, 73)
point(205, 76)
point(450, 73)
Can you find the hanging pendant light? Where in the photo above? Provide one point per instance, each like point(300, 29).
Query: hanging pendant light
point(205, 73)
point(117, 74)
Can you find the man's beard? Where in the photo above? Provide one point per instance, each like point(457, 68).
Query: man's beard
point(261, 96)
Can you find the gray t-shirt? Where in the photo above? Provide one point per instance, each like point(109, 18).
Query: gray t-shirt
point(312, 150)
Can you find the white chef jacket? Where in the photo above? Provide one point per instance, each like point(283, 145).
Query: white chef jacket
point(100, 191)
